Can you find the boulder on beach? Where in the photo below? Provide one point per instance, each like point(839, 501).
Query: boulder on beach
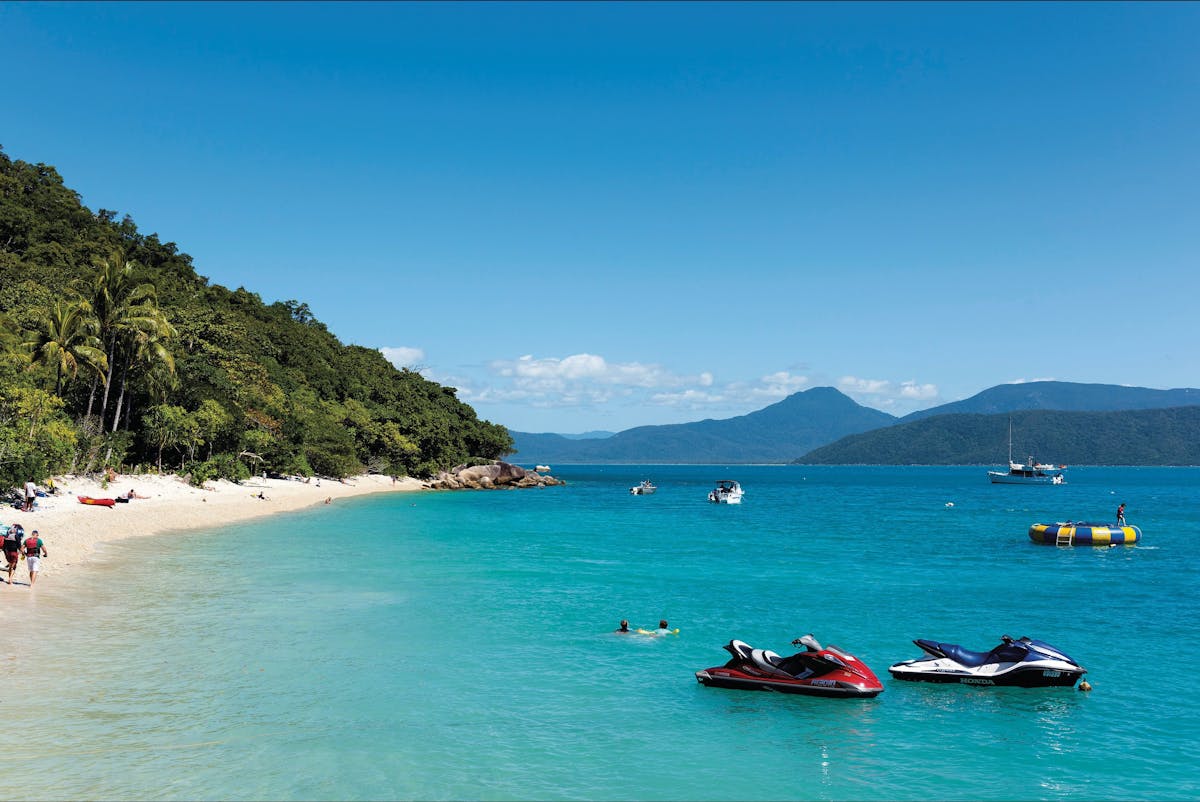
point(498, 474)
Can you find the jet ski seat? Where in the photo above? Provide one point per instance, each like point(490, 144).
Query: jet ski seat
point(964, 656)
point(768, 661)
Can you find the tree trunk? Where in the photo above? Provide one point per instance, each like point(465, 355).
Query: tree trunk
point(112, 358)
point(120, 398)
point(92, 394)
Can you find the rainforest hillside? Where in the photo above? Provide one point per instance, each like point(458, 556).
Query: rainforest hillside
point(115, 352)
point(1127, 437)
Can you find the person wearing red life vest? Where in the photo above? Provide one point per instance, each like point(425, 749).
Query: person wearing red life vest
point(35, 550)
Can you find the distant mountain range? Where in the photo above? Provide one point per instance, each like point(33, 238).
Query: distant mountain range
point(776, 434)
point(810, 426)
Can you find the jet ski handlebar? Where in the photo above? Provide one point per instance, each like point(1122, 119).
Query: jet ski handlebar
point(807, 641)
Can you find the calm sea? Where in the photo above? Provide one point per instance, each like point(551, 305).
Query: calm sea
point(459, 646)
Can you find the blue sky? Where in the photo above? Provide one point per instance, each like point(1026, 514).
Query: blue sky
point(598, 216)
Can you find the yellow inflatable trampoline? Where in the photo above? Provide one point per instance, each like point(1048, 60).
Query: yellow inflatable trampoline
point(1074, 533)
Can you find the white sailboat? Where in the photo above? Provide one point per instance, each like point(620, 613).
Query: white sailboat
point(1029, 473)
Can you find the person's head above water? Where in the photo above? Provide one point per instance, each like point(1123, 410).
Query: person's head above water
point(662, 624)
point(624, 626)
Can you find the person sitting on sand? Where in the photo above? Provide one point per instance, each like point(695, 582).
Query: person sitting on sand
point(260, 495)
point(133, 494)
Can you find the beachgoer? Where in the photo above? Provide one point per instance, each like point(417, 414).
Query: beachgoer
point(1121, 514)
point(624, 628)
point(30, 495)
point(260, 495)
point(12, 548)
point(35, 550)
point(50, 487)
point(662, 628)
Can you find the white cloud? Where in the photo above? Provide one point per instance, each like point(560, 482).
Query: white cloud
point(1027, 381)
point(883, 393)
point(589, 381)
point(402, 356)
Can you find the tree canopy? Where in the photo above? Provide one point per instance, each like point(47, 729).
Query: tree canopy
point(114, 351)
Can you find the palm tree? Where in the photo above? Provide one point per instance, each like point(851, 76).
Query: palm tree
point(146, 354)
point(125, 312)
point(68, 340)
point(114, 297)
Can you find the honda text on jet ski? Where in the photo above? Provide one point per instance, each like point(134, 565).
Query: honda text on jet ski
point(1024, 663)
point(816, 671)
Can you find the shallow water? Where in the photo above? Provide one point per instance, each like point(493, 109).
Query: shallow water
point(459, 646)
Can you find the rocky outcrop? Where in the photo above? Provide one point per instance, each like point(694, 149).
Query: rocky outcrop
point(488, 477)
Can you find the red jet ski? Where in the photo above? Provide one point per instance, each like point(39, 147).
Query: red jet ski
point(816, 671)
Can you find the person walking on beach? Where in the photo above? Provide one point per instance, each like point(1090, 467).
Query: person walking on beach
point(35, 550)
point(1121, 514)
point(12, 548)
point(30, 495)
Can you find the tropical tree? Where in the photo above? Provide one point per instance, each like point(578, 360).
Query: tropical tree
point(145, 355)
point(67, 340)
point(117, 300)
point(167, 425)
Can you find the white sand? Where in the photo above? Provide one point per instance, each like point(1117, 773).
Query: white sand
point(71, 530)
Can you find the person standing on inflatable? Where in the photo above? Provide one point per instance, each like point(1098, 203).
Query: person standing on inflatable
point(35, 550)
point(1121, 514)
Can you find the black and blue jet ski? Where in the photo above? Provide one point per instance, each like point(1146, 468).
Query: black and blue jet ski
point(1022, 662)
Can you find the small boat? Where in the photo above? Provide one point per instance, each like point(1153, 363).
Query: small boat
point(1031, 473)
point(727, 491)
point(1080, 533)
point(541, 468)
point(645, 488)
point(97, 502)
point(816, 671)
point(1021, 662)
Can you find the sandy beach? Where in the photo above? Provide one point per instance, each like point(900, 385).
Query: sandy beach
point(72, 530)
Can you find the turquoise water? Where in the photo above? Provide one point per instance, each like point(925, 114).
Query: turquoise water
point(459, 646)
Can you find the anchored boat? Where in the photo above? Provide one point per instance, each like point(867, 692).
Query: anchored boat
point(727, 491)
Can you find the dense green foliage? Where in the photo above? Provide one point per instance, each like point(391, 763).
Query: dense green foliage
point(1131, 437)
point(1063, 396)
point(113, 351)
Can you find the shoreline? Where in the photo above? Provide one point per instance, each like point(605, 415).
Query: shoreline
point(166, 504)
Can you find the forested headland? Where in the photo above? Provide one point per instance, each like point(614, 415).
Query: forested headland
point(115, 353)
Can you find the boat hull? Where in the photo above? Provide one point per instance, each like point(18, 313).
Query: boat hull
point(96, 502)
point(1001, 478)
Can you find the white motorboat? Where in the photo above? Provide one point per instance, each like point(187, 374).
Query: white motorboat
point(644, 488)
point(727, 491)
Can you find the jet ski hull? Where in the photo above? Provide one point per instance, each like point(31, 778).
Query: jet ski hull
point(1026, 677)
point(731, 678)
